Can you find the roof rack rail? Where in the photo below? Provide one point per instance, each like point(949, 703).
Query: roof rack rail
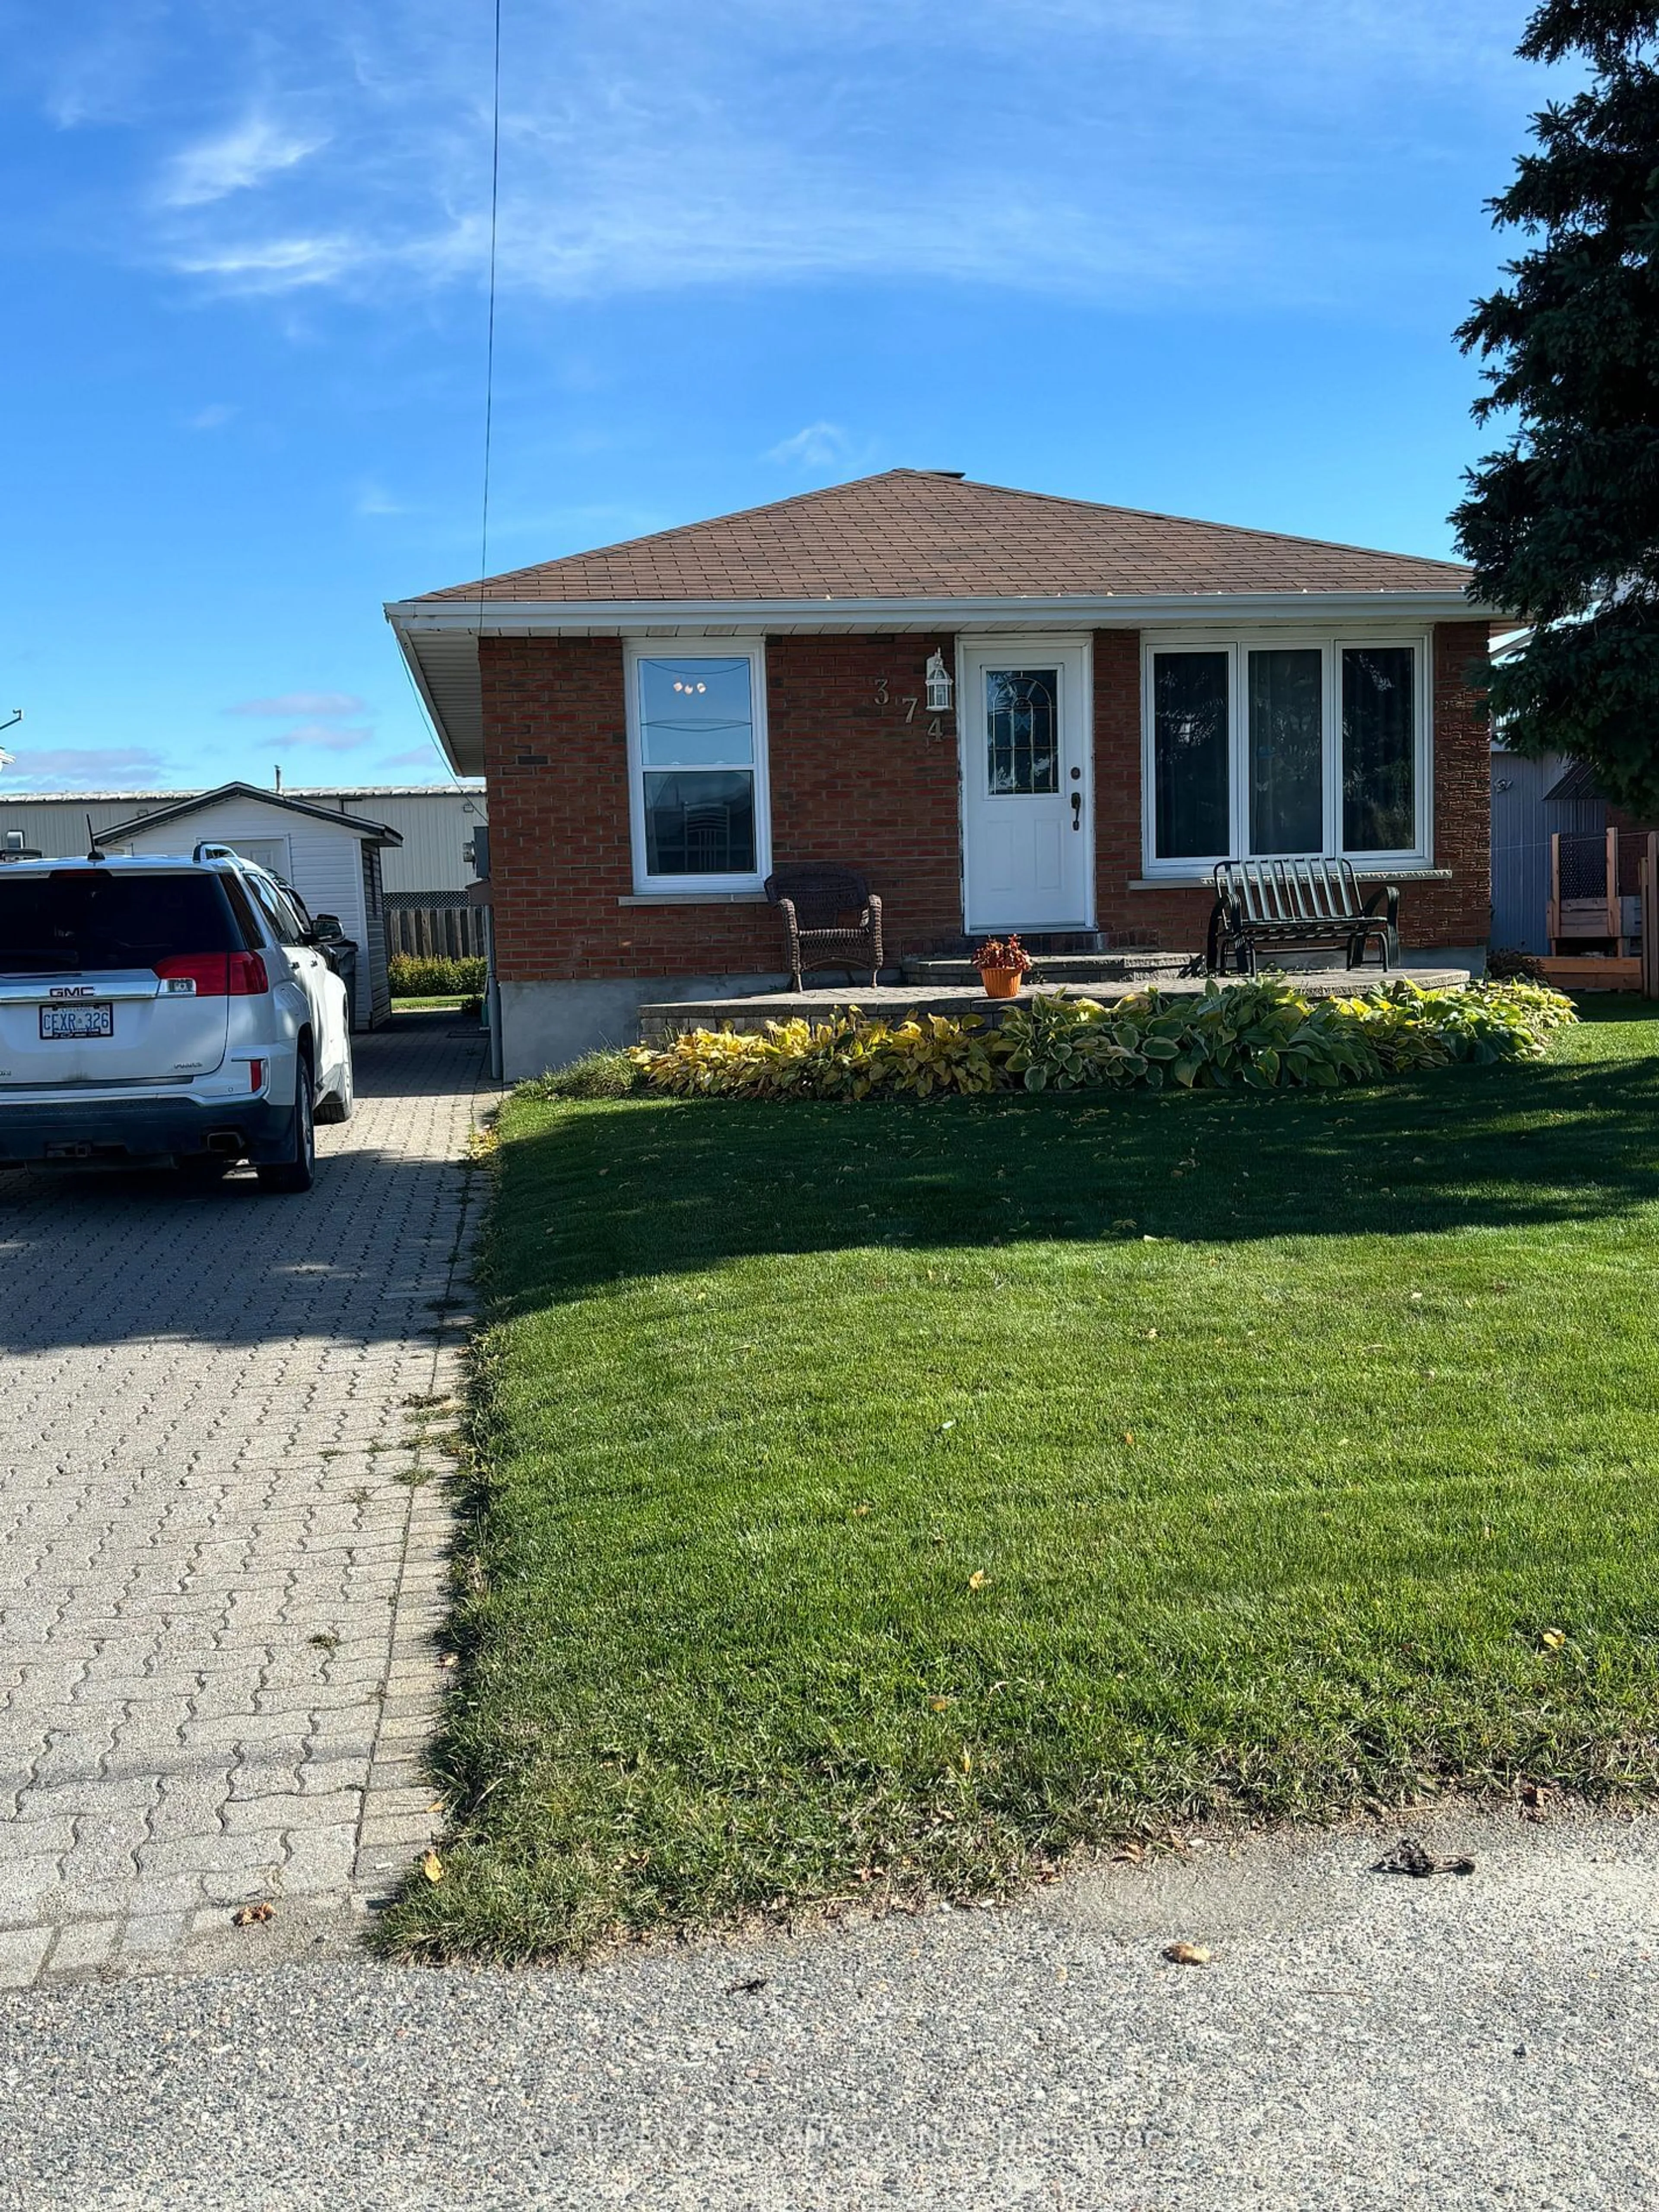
point(208, 851)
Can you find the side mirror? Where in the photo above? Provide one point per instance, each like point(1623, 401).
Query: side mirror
point(325, 925)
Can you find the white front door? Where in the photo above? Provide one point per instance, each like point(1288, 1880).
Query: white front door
point(1027, 811)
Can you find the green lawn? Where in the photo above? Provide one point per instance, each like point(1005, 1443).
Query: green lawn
point(897, 1495)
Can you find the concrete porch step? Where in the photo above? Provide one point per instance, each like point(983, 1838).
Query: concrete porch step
point(660, 1021)
point(1127, 965)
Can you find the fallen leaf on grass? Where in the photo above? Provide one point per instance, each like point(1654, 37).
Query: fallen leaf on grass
point(1551, 1638)
point(941, 1704)
point(1128, 1436)
point(976, 1580)
point(250, 1916)
point(433, 1867)
point(1187, 1954)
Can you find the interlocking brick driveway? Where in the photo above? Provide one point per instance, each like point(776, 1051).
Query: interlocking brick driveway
point(218, 1581)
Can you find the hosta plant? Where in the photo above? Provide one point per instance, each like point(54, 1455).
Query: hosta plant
point(1265, 1034)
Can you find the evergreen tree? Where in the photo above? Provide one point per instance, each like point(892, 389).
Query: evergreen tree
point(1562, 525)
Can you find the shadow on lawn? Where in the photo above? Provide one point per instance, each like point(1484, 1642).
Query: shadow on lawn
point(659, 1186)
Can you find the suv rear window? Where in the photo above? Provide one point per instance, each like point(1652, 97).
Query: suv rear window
point(79, 918)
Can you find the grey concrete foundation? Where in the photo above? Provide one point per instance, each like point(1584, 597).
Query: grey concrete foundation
point(545, 1025)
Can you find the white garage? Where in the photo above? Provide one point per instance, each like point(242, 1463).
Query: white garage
point(332, 859)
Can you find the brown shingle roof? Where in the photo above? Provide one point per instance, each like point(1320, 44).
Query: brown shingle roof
point(915, 533)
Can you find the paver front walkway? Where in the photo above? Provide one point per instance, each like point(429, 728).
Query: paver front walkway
point(218, 1582)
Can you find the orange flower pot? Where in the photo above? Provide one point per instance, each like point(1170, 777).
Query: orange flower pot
point(1001, 983)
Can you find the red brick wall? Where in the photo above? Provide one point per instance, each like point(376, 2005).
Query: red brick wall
point(853, 781)
point(1460, 912)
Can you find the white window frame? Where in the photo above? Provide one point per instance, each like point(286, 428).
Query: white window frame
point(698, 648)
point(1332, 644)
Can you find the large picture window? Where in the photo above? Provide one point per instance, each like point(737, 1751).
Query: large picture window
point(1379, 725)
point(1189, 753)
point(1284, 748)
point(697, 741)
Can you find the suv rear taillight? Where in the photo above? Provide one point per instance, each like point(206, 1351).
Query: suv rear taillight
point(217, 974)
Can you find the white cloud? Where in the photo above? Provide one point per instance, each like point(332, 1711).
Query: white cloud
point(417, 756)
point(820, 445)
point(326, 736)
point(82, 768)
point(372, 500)
point(274, 265)
point(289, 704)
point(210, 418)
point(234, 161)
point(1114, 151)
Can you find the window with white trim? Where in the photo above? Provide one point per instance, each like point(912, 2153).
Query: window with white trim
point(696, 736)
point(1281, 746)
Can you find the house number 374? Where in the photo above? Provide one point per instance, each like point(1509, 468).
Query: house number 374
point(909, 700)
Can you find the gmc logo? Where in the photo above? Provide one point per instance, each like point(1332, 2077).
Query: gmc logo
point(73, 990)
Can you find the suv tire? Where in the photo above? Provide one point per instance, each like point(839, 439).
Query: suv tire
point(299, 1171)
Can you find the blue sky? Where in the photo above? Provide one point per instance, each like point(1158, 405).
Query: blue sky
point(1201, 255)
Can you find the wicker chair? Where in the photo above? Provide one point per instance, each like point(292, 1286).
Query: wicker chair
point(814, 903)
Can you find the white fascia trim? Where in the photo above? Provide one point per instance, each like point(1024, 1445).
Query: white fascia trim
point(1091, 611)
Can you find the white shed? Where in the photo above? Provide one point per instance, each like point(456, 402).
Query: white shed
point(332, 859)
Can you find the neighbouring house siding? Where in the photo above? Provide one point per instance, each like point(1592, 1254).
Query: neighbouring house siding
point(374, 995)
point(1520, 847)
point(436, 829)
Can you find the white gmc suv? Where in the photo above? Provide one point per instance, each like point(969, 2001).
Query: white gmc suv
point(158, 1008)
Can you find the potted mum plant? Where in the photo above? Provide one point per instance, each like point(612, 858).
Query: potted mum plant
point(1001, 961)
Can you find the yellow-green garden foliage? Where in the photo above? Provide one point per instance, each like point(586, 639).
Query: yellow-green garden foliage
point(422, 975)
point(1263, 1034)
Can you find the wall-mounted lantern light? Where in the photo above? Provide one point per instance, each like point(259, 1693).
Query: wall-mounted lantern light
point(940, 685)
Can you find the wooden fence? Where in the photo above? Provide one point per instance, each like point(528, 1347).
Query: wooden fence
point(441, 933)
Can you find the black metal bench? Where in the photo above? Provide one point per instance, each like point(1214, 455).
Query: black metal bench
point(1297, 906)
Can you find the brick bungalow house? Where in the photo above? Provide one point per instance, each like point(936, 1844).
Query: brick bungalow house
point(1133, 697)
